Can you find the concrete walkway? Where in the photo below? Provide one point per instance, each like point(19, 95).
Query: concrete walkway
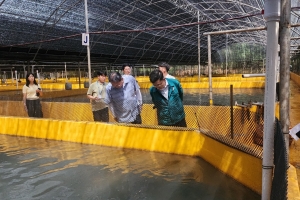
point(294, 156)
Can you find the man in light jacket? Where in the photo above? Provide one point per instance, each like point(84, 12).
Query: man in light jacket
point(124, 98)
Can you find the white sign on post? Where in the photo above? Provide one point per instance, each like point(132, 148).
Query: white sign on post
point(295, 132)
point(85, 39)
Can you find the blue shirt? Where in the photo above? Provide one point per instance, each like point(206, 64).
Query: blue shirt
point(124, 102)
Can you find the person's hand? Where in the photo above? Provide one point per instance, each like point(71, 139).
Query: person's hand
point(97, 99)
point(38, 90)
point(25, 108)
point(141, 107)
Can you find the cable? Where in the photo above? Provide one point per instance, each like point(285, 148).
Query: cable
point(135, 30)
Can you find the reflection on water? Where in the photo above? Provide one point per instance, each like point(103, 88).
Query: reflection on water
point(44, 169)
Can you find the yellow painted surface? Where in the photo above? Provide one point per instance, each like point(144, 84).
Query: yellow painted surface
point(239, 165)
point(187, 82)
point(293, 187)
point(235, 78)
point(294, 159)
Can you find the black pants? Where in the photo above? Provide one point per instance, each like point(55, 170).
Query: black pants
point(181, 123)
point(34, 108)
point(138, 120)
point(101, 115)
point(277, 91)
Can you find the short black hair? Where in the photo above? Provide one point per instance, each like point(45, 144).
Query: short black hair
point(115, 77)
point(125, 65)
point(156, 75)
point(164, 64)
point(100, 73)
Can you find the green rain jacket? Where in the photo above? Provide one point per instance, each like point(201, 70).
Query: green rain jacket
point(169, 111)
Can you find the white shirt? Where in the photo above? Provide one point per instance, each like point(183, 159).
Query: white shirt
point(170, 76)
point(165, 90)
point(31, 91)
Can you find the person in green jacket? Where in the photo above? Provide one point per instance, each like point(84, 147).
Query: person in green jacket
point(167, 96)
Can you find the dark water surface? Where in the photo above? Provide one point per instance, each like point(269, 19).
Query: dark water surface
point(33, 169)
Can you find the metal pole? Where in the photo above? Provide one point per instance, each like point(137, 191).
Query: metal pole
point(209, 69)
point(16, 74)
point(79, 77)
point(284, 83)
point(236, 31)
point(272, 16)
point(12, 76)
point(38, 76)
point(25, 74)
point(231, 111)
point(88, 45)
point(66, 71)
point(199, 72)
point(226, 54)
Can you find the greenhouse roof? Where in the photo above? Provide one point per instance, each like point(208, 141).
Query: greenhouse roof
point(134, 31)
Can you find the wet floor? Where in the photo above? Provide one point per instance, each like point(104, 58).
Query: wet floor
point(294, 153)
point(46, 169)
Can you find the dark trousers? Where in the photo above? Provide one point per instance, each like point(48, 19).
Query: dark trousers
point(181, 123)
point(34, 108)
point(138, 120)
point(101, 115)
point(277, 91)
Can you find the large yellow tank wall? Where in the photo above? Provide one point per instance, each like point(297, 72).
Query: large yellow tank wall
point(244, 168)
point(186, 82)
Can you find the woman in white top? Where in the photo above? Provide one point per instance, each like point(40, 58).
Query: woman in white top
point(31, 93)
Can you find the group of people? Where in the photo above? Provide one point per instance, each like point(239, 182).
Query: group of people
point(122, 96)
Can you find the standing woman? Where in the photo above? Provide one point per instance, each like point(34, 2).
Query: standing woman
point(31, 93)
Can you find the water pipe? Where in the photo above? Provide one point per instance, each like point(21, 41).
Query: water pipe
point(253, 75)
point(272, 16)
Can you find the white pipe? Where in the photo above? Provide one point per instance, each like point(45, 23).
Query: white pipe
point(25, 72)
point(88, 45)
point(12, 77)
point(253, 75)
point(199, 66)
point(66, 71)
point(272, 16)
point(16, 74)
point(209, 70)
point(235, 31)
point(38, 76)
point(226, 56)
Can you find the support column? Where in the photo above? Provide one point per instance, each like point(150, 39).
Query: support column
point(284, 83)
point(272, 16)
point(88, 46)
point(209, 70)
point(199, 66)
